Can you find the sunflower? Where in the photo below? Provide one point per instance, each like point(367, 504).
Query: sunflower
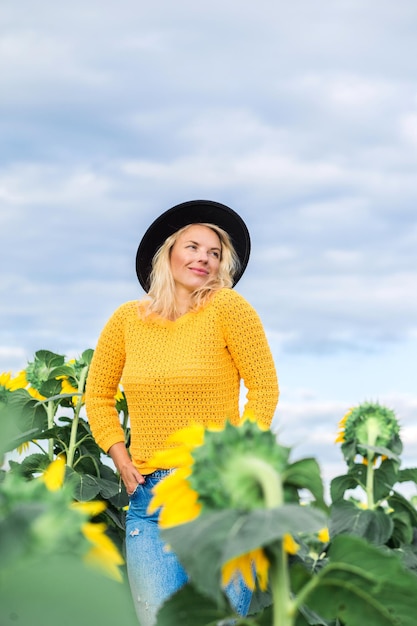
point(371, 431)
point(102, 553)
point(218, 468)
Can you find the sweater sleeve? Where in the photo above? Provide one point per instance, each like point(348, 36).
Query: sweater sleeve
point(248, 346)
point(103, 379)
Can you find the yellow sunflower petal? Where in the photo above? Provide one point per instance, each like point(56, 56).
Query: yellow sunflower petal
point(119, 394)
point(169, 489)
point(290, 546)
point(185, 509)
point(171, 458)
point(249, 416)
point(92, 508)
point(5, 379)
point(243, 564)
point(96, 534)
point(191, 436)
point(340, 438)
point(261, 566)
point(23, 447)
point(54, 475)
point(98, 559)
point(323, 535)
point(19, 381)
point(252, 565)
point(35, 394)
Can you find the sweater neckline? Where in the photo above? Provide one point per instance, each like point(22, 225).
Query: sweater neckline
point(167, 323)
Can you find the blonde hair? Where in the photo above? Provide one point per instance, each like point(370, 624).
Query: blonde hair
point(161, 295)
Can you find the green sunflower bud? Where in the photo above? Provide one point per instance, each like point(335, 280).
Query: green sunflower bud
point(371, 430)
point(234, 467)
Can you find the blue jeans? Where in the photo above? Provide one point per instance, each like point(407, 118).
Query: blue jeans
point(155, 573)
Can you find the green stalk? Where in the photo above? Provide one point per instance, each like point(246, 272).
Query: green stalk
point(283, 612)
point(370, 484)
point(271, 483)
point(372, 437)
point(266, 476)
point(74, 426)
point(50, 410)
point(124, 423)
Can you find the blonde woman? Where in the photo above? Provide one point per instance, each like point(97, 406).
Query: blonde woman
point(180, 353)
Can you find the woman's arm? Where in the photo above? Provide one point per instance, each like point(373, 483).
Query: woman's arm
point(249, 348)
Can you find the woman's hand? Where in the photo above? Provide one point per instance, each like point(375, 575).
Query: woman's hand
point(130, 475)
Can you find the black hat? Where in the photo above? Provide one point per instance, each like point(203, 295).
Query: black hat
point(192, 212)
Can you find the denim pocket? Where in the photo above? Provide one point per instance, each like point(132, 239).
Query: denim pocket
point(131, 495)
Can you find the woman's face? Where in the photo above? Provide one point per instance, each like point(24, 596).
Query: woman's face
point(195, 257)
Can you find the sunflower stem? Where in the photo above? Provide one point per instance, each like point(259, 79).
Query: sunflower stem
point(268, 478)
point(372, 437)
point(370, 484)
point(282, 608)
point(50, 410)
point(271, 483)
point(74, 426)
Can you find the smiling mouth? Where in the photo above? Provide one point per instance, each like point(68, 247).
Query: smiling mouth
point(199, 271)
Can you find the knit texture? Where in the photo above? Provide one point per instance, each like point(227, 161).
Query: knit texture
point(178, 372)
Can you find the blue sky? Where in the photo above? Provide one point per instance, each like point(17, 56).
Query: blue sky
point(302, 116)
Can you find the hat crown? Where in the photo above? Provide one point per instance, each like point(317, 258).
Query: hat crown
point(184, 214)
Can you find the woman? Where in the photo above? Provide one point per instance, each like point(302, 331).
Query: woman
point(180, 353)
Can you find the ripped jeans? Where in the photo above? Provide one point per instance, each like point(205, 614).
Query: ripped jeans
point(155, 573)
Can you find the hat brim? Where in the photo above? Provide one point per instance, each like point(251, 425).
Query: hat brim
point(192, 212)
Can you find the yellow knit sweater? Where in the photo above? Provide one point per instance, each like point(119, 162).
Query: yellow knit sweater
point(178, 372)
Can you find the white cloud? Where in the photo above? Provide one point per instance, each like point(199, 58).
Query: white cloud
point(408, 125)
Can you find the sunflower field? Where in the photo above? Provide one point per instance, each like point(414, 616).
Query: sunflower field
point(236, 503)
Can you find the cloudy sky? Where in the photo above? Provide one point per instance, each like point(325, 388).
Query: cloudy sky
point(300, 115)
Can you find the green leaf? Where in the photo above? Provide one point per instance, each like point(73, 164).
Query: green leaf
point(408, 555)
point(340, 484)
point(208, 542)
point(397, 502)
point(407, 474)
point(364, 585)
point(89, 487)
point(385, 476)
point(26, 411)
point(307, 616)
point(62, 370)
point(48, 358)
point(305, 474)
point(346, 518)
point(116, 515)
point(87, 356)
point(262, 527)
point(15, 529)
point(356, 476)
point(382, 451)
point(32, 464)
point(19, 439)
point(62, 590)
point(188, 607)
point(50, 388)
point(403, 530)
point(260, 600)
point(199, 546)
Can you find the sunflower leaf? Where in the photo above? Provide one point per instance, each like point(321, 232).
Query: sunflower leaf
point(364, 585)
